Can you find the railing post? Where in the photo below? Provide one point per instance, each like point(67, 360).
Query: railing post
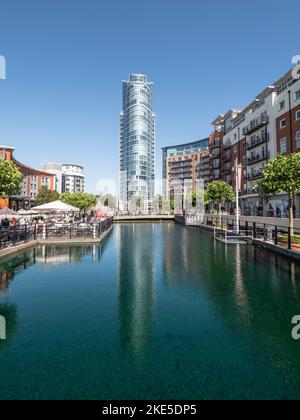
point(70, 230)
point(44, 234)
point(265, 233)
point(94, 232)
point(254, 230)
point(247, 227)
point(276, 235)
point(289, 238)
point(25, 232)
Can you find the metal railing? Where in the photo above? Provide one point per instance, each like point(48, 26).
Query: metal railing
point(281, 236)
point(21, 234)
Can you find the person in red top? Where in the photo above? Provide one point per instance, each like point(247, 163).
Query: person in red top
point(13, 222)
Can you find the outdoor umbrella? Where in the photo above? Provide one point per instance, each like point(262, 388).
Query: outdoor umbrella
point(7, 212)
point(55, 207)
point(27, 212)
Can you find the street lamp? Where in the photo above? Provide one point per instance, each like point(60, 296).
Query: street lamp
point(237, 170)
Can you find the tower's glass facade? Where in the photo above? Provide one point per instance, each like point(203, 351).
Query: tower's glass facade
point(137, 140)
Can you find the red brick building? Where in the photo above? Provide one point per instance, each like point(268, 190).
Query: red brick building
point(32, 181)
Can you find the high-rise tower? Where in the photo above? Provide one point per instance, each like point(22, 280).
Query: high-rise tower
point(137, 140)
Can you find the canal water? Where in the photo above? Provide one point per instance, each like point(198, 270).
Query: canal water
point(158, 311)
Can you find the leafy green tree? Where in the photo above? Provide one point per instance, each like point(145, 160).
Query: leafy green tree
point(83, 201)
point(282, 175)
point(46, 196)
point(10, 178)
point(218, 193)
point(159, 200)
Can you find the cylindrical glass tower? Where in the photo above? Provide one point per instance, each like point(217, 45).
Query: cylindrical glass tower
point(137, 140)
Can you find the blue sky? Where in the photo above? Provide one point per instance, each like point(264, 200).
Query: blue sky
point(66, 60)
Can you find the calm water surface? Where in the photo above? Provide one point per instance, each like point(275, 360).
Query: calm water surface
point(157, 311)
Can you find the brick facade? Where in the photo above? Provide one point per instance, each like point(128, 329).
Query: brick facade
point(32, 180)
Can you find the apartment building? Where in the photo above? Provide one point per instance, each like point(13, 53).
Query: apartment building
point(183, 165)
point(251, 137)
point(69, 177)
point(268, 126)
point(32, 181)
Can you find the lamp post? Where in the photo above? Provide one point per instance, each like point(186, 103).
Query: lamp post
point(236, 167)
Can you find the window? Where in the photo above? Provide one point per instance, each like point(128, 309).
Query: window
point(282, 105)
point(283, 146)
point(298, 95)
point(298, 140)
point(282, 123)
point(298, 115)
point(217, 142)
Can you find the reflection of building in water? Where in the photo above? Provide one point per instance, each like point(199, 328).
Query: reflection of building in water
point(62, 254)
point(181, 255)
point(136, 245)
point(46, 255)
point(11, 267)
point(240, 289)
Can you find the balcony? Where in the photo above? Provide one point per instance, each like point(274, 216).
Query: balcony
point(214, 177)
point(226, 146)
point(254, 175)
point(227, 158)
point(257, 141)
point(256, 125)
point(258, 158)
point(251, 191)
point(227, 171)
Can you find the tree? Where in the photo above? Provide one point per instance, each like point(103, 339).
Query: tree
point(10, 178)
point(160, 202)
point(282, 175)
point(83, 201)
point(218, 193)
point(45, 196)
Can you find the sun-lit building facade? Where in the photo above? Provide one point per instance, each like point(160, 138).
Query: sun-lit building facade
point(137, 140)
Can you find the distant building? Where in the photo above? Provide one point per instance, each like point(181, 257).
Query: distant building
point(56, 169)
point(73, 179)
point(183, 165)
point(68, 177)
point(137, 140)
point(32, 181)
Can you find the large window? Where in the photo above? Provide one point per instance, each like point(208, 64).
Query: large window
point(283, 145)
point(298, 115)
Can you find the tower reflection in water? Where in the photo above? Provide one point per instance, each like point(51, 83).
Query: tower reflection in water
point(136, 294)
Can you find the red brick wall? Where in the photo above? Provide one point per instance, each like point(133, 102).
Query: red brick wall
point(286, 132)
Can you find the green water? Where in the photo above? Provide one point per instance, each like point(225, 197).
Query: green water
point(156, 312)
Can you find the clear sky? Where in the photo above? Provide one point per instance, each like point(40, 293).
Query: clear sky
point(66, 60)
